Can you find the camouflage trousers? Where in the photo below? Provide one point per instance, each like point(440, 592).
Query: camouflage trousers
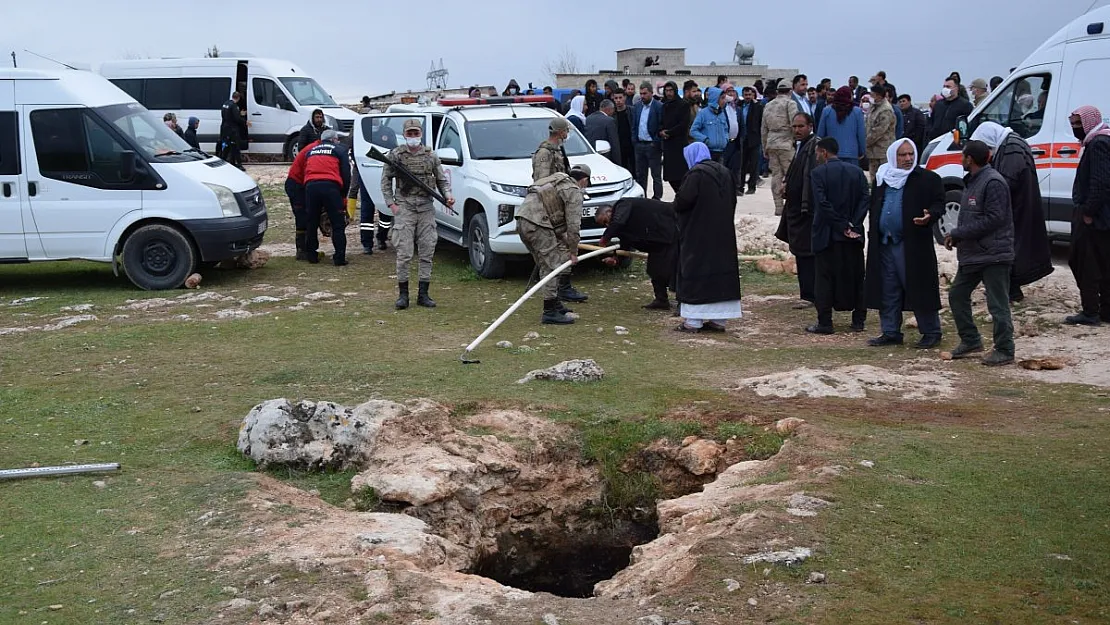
point(414, 227)
point(546, 249)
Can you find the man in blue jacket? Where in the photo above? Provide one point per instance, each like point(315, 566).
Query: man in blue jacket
point(711, 125)
point(646, 119)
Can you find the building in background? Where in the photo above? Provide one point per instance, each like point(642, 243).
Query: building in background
point(658, 65)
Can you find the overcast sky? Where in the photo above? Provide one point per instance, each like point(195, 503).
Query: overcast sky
point(355, 47)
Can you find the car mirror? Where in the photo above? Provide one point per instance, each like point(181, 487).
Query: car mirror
point(961, 129)
point(127, 166)
point(602, 147)
point(449, 156)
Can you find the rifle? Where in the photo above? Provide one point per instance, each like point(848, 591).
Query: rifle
point(377, 155)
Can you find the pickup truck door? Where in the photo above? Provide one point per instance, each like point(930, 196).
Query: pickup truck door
point(384, 132)
point(451, 136)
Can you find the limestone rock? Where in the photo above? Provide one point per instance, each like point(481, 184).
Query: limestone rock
point(788, 425)
point(193, 281)
point(769, 266)
point(789, 556)
point(505, 344)
point(700, 457)
point(567, 371)
point(802, 505)
point(313, 435)
point(1043, 364)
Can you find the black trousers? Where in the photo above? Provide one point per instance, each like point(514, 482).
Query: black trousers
point(838, 283)
point(323, 196)
point(295, 192)
point(807, 273)
point(749, 165)
point(1090, 264)
point(229, 149)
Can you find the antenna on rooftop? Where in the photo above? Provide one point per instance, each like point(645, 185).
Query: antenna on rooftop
point(437, 76)
point(44, 57)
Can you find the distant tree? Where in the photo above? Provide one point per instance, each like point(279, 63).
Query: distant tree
point(565, 63)
point(212, 53)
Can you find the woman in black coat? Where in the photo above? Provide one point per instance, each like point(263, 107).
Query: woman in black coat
point(675, 131)
point(914, 272)
point(708, 283)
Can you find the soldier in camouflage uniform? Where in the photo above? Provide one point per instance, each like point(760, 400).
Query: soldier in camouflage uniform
point(414, 220)
point(551, 159)
point(548, 222)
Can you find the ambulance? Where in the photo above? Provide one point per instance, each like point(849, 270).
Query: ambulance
point(486, 147)
point(87, 173)
point(1070, 69)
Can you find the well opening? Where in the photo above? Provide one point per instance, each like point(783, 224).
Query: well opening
point(565, 563)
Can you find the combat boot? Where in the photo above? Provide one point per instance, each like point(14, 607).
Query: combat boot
point(402, 296)
point(301, 254)
point(422, 298)
point(568, 293)
point(552, 314)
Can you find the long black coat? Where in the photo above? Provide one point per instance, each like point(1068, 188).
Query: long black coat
point(676, 122)
point(796, 223)
point(1032, 251)
point(708, 268)
point(923, 191)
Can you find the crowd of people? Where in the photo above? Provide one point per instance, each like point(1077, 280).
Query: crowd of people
point(845, 175)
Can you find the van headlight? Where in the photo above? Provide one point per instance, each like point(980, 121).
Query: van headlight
point(228, 204)
point(509, 189)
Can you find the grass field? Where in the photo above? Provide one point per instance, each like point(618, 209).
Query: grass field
point(990, 507)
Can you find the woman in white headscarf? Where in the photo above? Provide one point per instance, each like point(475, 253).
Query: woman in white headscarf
point(1013, 158)
point(901, 255)
point(577, 113)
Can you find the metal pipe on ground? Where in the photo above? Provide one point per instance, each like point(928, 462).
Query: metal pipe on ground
point(15, 474)
point(466, 357)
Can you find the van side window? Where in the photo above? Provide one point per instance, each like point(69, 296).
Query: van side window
point(1021, 105)
point(266, 92)
point(9, 144)
point(73, 146)
point(177, 94)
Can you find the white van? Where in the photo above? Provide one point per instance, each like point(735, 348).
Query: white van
point(1068, 70)
point(88, 173)
point(278, 98)
point(486, 151)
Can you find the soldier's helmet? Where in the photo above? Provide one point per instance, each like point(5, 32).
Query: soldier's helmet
point(558, 124)
point(410, 124)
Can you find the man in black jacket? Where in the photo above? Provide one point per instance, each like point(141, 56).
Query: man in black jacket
point(600, 126)
point(984, 241)
point(1090, 228)
point(752, 114)
point(233, 131)
point(914, 122)
point(312, 129)
point(649, 226)
point(796, 223)
point(841, 200)
point(947, 112)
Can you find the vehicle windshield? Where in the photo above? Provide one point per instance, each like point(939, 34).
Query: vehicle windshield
point(307, 92)
point(149, 133)
point(505, 139)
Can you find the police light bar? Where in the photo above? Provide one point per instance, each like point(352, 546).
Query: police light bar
point(507, 99)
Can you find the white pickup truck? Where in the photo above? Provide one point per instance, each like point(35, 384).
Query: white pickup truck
point(486, 150)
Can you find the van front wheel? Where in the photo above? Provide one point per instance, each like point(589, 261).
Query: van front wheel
point(158, 257)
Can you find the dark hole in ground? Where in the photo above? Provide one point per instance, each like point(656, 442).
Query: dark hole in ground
point(566, 564)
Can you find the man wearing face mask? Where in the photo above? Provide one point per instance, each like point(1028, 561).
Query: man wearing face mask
point(550, 158)
point(947, 111)
point(1090, 226)
point(414, 214)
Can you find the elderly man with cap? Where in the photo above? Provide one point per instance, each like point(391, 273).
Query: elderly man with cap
point(414, 222)
point(778, 138)
point(1012, 157)
point(549, 222)
point(979, 91)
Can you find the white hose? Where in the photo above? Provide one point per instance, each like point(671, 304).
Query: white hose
point(532, 291)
